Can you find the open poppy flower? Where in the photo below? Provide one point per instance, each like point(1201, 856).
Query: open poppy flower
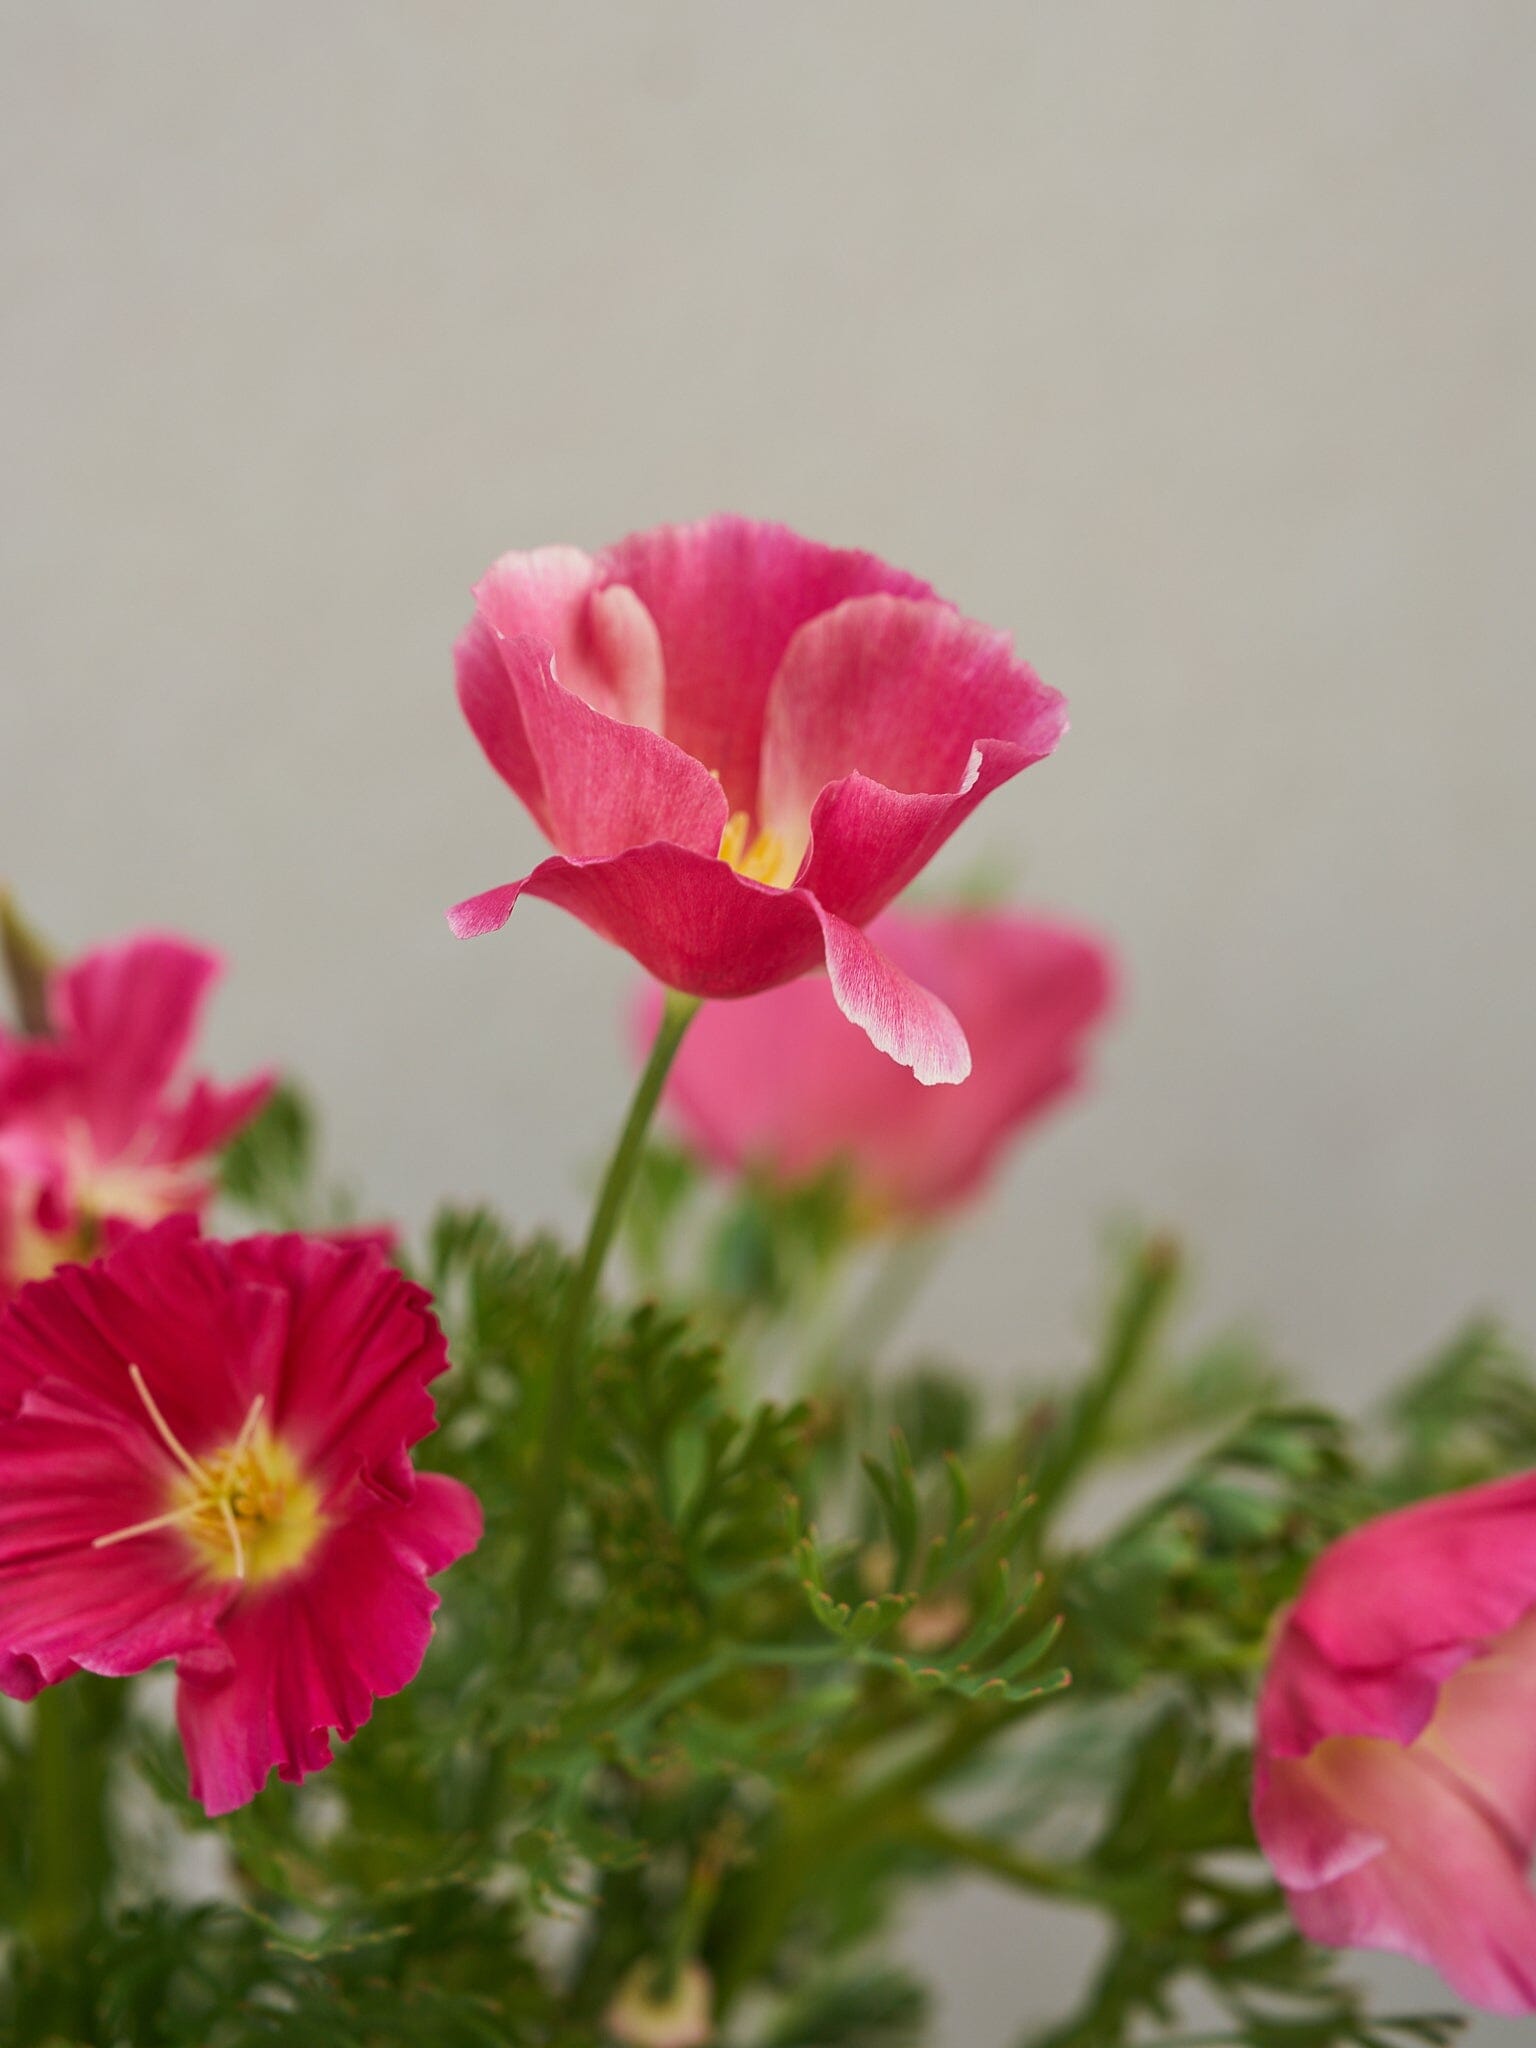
point(97, 1124)
point(743, 745)
point(1395, 1791)
point(778, 1082)
point(204, 1456)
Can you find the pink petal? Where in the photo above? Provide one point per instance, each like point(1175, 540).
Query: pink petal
point(693, 922)
point(888, 722)
point(906, 1021)
point(604, 642)
point(603, 786)
point(727, 595)
point(778, 1081)
point(1387, 1614)
point(207, 1119)
point(129, 1013)
point(313, 1651)
point(1446, 1887)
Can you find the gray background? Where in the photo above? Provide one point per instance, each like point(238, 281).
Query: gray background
point(1191, 342)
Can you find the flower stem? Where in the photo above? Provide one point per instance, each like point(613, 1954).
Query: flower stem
point(548, 1487)
point(68, 1850)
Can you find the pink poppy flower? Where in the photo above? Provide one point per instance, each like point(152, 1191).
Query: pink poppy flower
point(98, 1125)
point(779, 1082)
point(742, 746)
point(204, 1456)
point(1395, 1792)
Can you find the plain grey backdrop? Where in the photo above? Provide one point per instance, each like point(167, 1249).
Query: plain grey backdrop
point(1191, 342)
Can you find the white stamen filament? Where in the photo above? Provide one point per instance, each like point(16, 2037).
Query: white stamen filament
point(168, 1436)
point(214, 1491)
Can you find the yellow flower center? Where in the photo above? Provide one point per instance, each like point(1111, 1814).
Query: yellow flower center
point(764, 859)
point(247, 1509)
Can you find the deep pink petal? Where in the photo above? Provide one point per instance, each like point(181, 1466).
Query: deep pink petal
point(603, 785)
point(165, 1301)
point(779, 1082)
point(312, 1652)
point(727, 595)
point(893, 699)
point(71, 1470)
point(604, 642)
point(360, 1345)
point(495, 717)
point(908, 1022)
point(1446, 1886)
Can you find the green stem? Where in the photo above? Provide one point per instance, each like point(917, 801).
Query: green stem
point(902, 1275)
point(69, 1847)
point(1147, 1291)
point(982, 1852)
point(547, 1493)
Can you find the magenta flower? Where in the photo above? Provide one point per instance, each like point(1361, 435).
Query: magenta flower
point(204, 1456)
point(743, 745)
point(779, 1082)
point(1395, 1792)
point(98, 1126)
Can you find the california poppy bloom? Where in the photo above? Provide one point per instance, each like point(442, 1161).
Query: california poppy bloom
point(204, 1456)
point(99, 1124)
point(779, 1083)
point(1395, 1793)
point(743, 745)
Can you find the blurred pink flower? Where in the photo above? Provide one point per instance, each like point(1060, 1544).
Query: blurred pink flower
point(1395, 1792)
point(779, 1082)
point(204, 1455)
point(98, 1125)
point(743, 745)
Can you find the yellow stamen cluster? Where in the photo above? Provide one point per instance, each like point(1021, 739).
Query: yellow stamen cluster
point(764, 859)
point(248, 1508)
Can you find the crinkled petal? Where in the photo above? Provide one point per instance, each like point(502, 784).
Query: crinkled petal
point(360, 1345)
point(313, 1651)
point(602, 785)
point(727, 595)
point(892, 699)
point(72, 1470)
point(164, 1301)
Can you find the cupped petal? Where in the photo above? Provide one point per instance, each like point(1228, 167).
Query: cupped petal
point(1483, 1727)
point(1447, 1887)
point(128, 1014)
point(1389, 1612)
point(607, 786)
point(604, 642)
point(73, 1471)
point(906, 1021)
point(312, 1652)
point(727, 595)
point(885, 699)
point(360, 1345)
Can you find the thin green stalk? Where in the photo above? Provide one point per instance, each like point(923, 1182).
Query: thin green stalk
point(903, 1273)
point(68, 1847)
point(982, 1852)
point(547, 1492)
point(1147, 1292)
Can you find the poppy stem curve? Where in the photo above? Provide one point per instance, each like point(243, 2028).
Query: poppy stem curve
point(548, 1488)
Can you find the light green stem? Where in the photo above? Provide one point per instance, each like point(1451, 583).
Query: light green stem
point(547, 1493)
